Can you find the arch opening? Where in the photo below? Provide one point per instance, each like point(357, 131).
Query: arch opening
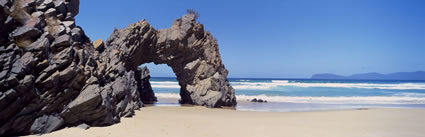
point(164, 84)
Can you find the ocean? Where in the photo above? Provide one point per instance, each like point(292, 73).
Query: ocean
point(285, 95)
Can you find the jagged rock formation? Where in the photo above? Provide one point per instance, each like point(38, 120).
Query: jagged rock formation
point(52, 76)
point(190, 51)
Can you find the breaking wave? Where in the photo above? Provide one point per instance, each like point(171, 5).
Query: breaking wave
point(282, 83)
point(285, 83)
point(165, 84)
point(324, 100)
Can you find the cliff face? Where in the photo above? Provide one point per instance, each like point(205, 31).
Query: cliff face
point(52, 76)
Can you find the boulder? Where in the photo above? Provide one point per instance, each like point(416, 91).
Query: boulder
point(145, 89)
point(69, 24)
point(40, 45)
point(61, 42)
point(258, 100)
point(25, 35)
point(99, 45)
point(84, 107)
point(77, 34)
point(46, 124)
point(50, 12)
point(83, 126)
point(60, 6)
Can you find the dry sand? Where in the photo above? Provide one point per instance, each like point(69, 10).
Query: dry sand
point(203, 122)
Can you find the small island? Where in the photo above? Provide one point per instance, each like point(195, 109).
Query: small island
point(418, 75)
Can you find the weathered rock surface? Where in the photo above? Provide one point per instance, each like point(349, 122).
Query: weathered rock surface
point(99, 45)
point(53, 77)
point(258, 100)
point(190, 51)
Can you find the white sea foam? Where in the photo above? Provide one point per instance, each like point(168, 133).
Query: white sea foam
point(339, 100)
point(281, 83)
point(167, 95)
point(324, 100)
point(165, 84)
point(244, 80)
point(410, 95)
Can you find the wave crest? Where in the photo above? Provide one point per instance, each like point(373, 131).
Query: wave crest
point(283, 83)
point(324, 100)
point(245, 85)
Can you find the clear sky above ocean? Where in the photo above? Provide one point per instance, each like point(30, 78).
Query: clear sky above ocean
point(285, 38)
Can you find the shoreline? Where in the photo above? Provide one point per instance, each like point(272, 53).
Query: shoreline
point(245, 105)
point(201, 121)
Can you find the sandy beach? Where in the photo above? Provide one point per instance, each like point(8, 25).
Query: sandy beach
point(204, 122)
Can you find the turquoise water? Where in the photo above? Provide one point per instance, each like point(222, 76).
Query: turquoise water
point(299, 92)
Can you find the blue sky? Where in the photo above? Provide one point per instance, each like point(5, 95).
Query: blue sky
point(285, 38)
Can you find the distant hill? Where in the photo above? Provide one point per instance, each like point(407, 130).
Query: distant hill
point(418, 75)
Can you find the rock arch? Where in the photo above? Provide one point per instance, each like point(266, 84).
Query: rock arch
point(53, 77)
point(191, 52)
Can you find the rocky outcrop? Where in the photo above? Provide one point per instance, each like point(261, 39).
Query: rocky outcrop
point(258, 100)
point(52, 76)
point(145, 89)
point(187, 48)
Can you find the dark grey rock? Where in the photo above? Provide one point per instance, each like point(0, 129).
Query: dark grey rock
point(47, 72)
point(12, 80)
point(68, 73)
point(46, 124)
point(84, 107)
point(69, 24)
point(24, 36)
point(83, 126)
point(198, 66)
point(61, 42)
point(51, 81)
point(60, 6)
point(10, 21)
point(76, 33)
point(61, 30)
point(73, 7)
point(3, 74)
point(39, 45)
point(53, 77)
point(44, 5)
point(259, 100)
point(63, 58)
point(25, 84)
point(8, 97)
point(4, 3)
point(99, 45)
point(4, 30)
point(38, 14)
point(51, 12)
point(146, 93)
